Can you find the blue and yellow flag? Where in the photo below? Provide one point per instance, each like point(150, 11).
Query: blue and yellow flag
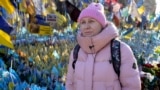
point(128, 34)
point(14, 3)
point(7, 5)
point(5, 39)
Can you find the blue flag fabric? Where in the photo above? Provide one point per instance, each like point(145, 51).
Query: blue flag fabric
point(144, 21)
point(140, 3)
point(3, 12)
point(3, 84)
point(3, 49)
point(158, 18)
point(86, 1)
point(15, 75)
point(129, 20)
point(41, 20)
point(2, 65)
point(5, 26)
point(22, 86)
point(128, 31)
point(129, 1)
point(55, 71)
point(14, 3)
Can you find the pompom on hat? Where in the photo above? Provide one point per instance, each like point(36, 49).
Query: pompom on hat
point(96, 11)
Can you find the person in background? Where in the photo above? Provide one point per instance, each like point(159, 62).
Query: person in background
point(93, 70)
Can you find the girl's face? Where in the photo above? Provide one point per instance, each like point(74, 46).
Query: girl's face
point(90, 27)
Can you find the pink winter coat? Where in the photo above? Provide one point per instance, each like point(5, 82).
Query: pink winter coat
point(93, 71)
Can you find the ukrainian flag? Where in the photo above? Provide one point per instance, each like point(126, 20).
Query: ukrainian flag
point(5, 30)
point(5, 39)
point(129, 33)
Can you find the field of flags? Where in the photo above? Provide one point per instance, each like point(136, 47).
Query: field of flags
point(36, 37)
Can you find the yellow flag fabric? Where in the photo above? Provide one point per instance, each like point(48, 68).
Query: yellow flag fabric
point(157, 49)
point(74, 25)
point(126, 25)
point(22, 6)
point(5, 39)
point(159, 26)
point(129, 36)
point(151, 26)
point(45, 30)
point(28, 7)
point(141, 10)
point(11, 85)
point(61, 19)
point(7, 5)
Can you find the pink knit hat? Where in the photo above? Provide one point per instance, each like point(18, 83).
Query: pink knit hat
point(96, 11)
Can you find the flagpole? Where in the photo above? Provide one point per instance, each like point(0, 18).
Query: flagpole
point(10, 70)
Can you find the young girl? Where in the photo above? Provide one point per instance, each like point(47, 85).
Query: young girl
point(93, 70)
